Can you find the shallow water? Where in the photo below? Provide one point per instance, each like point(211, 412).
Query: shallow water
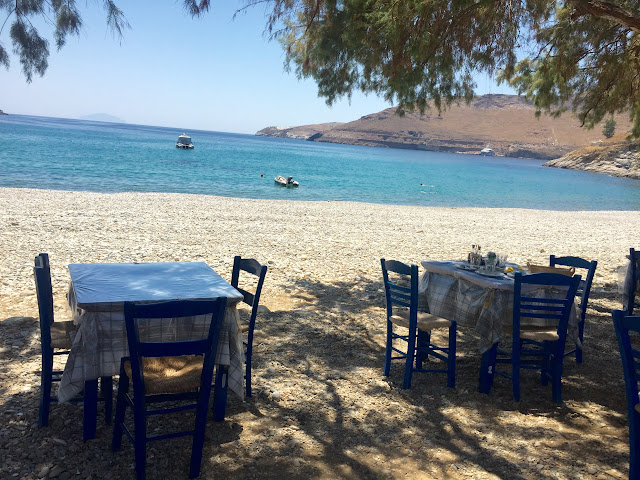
point(52, 153)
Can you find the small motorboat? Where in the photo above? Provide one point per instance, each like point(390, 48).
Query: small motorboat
point(487, 152)
point(184, 141)
point(286, 182)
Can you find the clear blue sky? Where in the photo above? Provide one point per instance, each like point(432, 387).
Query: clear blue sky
point(212, 73)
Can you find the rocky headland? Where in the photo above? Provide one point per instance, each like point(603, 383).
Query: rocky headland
point(2, 113)
point(505, 123)
point(618, 159)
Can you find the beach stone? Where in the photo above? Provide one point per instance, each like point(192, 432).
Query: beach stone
point(55, 472)
point(44, 472)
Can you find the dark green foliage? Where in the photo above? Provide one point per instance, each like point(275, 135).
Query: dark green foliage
point(582, 55)
point(31, 48)
point(609, 128)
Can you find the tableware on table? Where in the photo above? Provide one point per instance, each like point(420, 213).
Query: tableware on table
point(466, 266)
point(490, 273)
point(491, 262)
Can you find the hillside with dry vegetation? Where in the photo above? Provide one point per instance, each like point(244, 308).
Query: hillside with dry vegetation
point(505, 123)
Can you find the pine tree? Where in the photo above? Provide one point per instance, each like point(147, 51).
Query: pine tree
point(609, 128)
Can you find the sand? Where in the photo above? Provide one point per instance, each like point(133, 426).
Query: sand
point(321, 408)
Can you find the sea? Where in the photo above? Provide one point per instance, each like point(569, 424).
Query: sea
point(65, 154)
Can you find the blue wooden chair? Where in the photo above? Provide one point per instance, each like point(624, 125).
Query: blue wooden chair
point(55, 340)
point(537, 348)
point(588, 270)
point(168, 371)
point(403, 311)
point(253, 267)
point(628, 327)
point(634, 258)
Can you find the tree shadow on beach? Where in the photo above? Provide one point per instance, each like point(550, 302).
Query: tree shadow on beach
point(322, 409)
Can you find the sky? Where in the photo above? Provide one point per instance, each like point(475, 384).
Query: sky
point(212, 73)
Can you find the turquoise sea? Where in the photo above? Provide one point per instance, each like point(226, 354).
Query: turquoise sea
point(63, 154)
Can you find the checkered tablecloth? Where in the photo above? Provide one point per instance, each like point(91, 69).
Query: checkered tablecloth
point(100, 342)
point(474, 301)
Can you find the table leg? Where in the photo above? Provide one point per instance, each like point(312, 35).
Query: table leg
point(220, 393)
point(90, 412)
point(487, 369)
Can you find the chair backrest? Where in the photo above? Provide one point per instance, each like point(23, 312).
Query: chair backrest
point(253, 267)
point(546, 308)
point(44, 293)
point(627, 327)
point(634, 258)
point(176, 310)
point(402, 292)
point(584, 289)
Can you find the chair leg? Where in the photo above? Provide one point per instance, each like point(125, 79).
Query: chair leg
point(634, 446)
point(198, 435)
point(89, 416)
point(388, 350)
point(121, 407)
point(45, 392)
point(106, 388)
point(556, 380)
point(422, 352)
point(220, 394)
point(451, 356)
point(140, 438)
point(580, 336)
point(487, 369)
point(515, 373)
point(408, 369)
point(247, 377)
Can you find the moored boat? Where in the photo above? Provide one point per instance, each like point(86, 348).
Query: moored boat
point(286, 182)
point(487, 152)
point(184, 141)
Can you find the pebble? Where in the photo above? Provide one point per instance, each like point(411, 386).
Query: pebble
point(55, 471)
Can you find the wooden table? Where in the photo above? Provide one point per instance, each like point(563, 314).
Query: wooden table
point(96, 296)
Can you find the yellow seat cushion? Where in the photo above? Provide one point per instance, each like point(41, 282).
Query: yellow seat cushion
point(540, 334)
point(60, 334)
point(426, 321)
point(170, 374)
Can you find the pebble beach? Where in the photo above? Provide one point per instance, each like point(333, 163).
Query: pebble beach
point(321, 407)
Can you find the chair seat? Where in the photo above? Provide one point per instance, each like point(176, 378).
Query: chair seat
point(170, 374)
point(637, 407)
point(426, 321)
point(537, 334)
point(60, 334)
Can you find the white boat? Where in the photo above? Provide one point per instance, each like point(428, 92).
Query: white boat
point(184, 141)
point(487, 152)
point(286, 182)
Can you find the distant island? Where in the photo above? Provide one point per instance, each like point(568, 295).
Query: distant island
point(504, 123)
point(102, 117)
point(2, 113)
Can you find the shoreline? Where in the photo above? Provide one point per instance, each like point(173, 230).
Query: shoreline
point(301, 239)
point(346, 202)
